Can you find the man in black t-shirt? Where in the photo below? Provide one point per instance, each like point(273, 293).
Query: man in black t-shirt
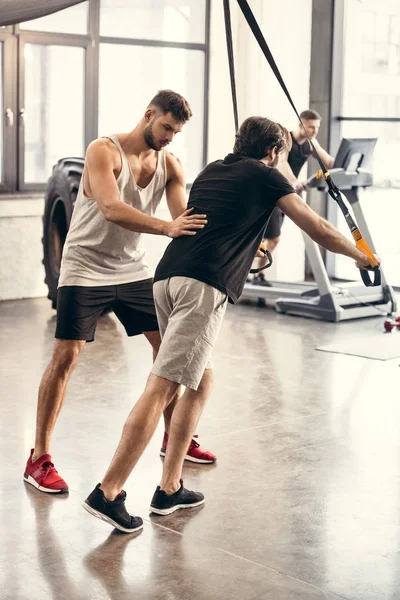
point(195, 278)
point(290, 166)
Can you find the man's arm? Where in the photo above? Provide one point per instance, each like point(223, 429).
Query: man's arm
point(176, 188)
point(327, 159)
point(100, 165)
point(320, 230)
point(286, 170)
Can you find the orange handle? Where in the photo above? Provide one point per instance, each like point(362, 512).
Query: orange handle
point(263, 247)
point(362, 245)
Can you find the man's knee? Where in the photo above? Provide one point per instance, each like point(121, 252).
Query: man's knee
point(66, 353)
point(206, 383)
point(161, 390)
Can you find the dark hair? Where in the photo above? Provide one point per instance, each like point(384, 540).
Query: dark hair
point(258, 135)
point(169, 101)
point(310, 115)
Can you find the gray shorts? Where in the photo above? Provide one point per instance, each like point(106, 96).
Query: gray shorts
point(189, 314)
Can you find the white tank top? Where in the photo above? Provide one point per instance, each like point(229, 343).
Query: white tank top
point(97, 252)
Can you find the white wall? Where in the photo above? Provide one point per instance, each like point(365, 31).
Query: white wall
point(287, 28)
point(21, 269)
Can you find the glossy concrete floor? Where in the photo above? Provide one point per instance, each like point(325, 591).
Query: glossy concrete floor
point(304, 501)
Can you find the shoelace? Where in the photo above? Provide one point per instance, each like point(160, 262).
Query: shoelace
point(48, 467)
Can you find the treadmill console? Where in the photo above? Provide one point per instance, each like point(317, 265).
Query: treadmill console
point(352, 167)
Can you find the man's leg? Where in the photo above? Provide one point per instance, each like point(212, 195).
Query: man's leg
point(137, 432)
point(192, 328)
point(272, 244)
point(184, 421)
point(136, 311)
point(272, 234)
point(190, 314)
point(194, 452)
point(154, 338)
point(107, 500)
point(40, 471)
point(52, 391)
point(78, 309)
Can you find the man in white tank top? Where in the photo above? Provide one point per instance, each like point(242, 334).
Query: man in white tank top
point(103, 264)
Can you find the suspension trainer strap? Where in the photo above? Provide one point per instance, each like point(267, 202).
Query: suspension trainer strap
point(229, 45)
point(267, 253)
point(333, 190)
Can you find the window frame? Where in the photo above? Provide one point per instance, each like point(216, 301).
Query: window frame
point(14, 40)
point(9, 171)
point(44, 39)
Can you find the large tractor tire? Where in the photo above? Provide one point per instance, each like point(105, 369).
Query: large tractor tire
point(61, 193)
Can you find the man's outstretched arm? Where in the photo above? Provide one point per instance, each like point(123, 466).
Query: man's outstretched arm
point(320, 230)
point(327, 159)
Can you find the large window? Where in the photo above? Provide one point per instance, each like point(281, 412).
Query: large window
point(53, 117)
point(70, 20)
point(167, 20)
point(90, 70)
point(371, 66)
point(370, 107)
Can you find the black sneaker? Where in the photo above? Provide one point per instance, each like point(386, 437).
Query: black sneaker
point(260, 280)
point(112, 511)
point(165, 504)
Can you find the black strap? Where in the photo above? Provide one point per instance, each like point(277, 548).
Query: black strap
point(333, 190)
point(251, 20)
point(228, 32)
point(229, 45)
point(367, 279)
point(267, 266)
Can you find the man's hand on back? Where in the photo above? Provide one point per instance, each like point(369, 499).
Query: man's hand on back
point(186, 224)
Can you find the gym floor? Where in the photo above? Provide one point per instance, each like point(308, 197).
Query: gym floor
point(302, 503)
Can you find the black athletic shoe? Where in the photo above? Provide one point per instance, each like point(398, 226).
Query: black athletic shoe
point(165, 504)
point(112, 511)
point(260, 280)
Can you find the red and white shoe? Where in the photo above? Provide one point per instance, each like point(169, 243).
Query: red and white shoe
point(43, 475)
point(194, 454)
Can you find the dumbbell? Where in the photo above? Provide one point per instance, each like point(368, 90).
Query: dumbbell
point(389, 325)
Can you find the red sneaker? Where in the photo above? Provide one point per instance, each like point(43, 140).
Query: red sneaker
point(43, 475)
point(194, 454)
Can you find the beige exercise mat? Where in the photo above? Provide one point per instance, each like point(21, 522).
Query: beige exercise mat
point(383, 346)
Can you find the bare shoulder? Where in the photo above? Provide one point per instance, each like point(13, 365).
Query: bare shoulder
point(174, 166)
point(102, 151)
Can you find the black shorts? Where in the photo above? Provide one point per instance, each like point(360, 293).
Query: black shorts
point(79, 308)
point(274, 225)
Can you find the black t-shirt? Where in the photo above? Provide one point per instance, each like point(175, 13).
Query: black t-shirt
point(298, 155)
point(238, 195)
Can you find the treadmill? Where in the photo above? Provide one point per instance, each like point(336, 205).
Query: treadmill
point(320, 299)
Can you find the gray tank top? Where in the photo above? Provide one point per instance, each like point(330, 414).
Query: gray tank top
point(97, 252)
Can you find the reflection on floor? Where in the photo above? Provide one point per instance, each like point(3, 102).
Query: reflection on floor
point(303, 502)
